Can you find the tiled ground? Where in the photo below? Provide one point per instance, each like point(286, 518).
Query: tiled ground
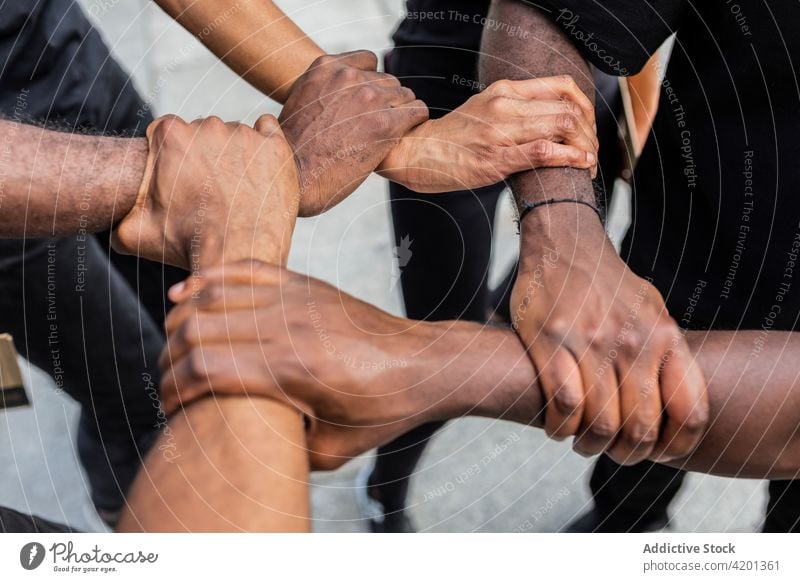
point(534, 484)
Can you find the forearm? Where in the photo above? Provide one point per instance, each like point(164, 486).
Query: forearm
point(754, 394)
point(253, 37)
point(545, 52)
point(58, 184)
point(229, 464)
point(226, 465)
point(753, 387)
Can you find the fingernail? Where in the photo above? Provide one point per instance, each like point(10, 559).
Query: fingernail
point(590, 157)
point(177, 288)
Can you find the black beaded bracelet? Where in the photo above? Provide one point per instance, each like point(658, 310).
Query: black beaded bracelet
point(527, 207)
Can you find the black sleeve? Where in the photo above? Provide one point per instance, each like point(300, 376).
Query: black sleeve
point(616, 36)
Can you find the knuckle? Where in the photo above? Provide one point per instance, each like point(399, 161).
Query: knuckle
point(373, 58)
point(241, 130)
point(566, 122)
point(407, 94)
point(497, 105)
point(170, 127)
point(697, 421)
point(187, 333)
point(489, 151)
point(568, 80)
point(571, 108)
point(633, 340)
point(348, 75)
point(391, 81)
point(268, 121)
point(639, 434)
point(324, 60)
point(557, 327)
point(196, 364)
point(543, 149)
point(419, 110)
point(213, 121)
point(367, 94)
point(501, 87)
point(668, 332)
point(603, 429)
point(568, 399)
point(211, 296)
point(603, 336)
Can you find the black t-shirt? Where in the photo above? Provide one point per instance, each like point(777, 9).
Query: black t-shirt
point(717, 212)
point(716, 221)
point(451, 23)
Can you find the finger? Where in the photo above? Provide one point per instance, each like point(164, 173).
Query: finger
point(247, 271)
point(268, 125)
point(203, 329)
point(381, 79)
point(185, 380)
point(223, 299)
point(361, 59)
point(332, 445)
point(685, 397)
point(543, 153)
point(573, 116)
point(411, 114)
point(562, 127)
point(530, 108)
point(562, 386)
point(222, 370)
point(640, 403)
point(401, 96)
point(602, 419)
point(560, 87)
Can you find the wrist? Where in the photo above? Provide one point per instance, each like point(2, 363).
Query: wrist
point(563, 228)
point(480, 371)
point(132, 159)
point(269, 241)
point(407, 155)
point(394, 166)
point(135, 186)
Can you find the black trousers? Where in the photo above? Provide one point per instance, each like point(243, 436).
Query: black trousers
point(90, 318)
point(15, 522)
point(445, 276)
point(625, 497)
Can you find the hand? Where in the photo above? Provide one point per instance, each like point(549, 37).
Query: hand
point(510, 127)
point(614, 368)
point(212, 192)
point(255, 329)
point(342, 118)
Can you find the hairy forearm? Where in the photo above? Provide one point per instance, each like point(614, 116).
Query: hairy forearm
point(753, 385)
point(59, 184)
point(253, 37)
point(545, 52)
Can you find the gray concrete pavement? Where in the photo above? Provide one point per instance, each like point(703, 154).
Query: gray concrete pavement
point(532, 484)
